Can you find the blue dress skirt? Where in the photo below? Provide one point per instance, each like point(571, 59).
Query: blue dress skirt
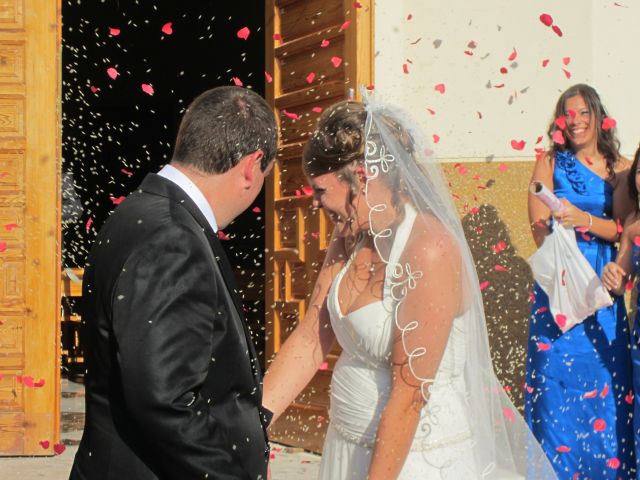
point(578, 391)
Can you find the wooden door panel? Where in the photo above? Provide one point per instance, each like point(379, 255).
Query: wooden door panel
point(297, 235)
point(29, 226)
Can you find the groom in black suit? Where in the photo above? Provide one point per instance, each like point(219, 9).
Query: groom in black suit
point(173, 384)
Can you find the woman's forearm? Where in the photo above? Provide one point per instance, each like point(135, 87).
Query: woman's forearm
point(395, 435)
point(295, 365)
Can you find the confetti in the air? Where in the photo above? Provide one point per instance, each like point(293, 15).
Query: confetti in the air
point(147, 88)
point(167, 28)
point(112, 72)
point(324, 43)
point(518, 144)
point(114, 32)
point(608, 123)
point(311, 77)
point(244, 33)
point(336, 61)
point(440, 87)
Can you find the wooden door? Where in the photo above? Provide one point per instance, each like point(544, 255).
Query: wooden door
point(316, 51)
point(29, 226)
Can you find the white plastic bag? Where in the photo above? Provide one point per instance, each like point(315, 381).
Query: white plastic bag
point(573, 287)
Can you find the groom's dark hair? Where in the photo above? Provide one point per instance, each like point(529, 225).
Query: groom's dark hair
point(221, 126)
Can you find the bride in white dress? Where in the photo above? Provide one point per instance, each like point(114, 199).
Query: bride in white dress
point(413, 394)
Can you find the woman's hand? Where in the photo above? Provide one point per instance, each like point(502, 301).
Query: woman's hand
point(612, 276)
point(571, 216)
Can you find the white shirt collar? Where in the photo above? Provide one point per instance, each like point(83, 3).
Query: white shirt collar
point(180, 179)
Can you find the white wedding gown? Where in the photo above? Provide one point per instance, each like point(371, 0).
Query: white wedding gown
point(361, 383)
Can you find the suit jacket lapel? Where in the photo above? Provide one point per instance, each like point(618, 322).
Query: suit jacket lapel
point(161, 186)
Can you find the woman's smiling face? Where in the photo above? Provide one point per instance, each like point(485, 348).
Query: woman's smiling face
point(581, 122)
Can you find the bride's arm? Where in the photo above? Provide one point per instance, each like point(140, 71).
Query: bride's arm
point(432, 305)
point(306, 348)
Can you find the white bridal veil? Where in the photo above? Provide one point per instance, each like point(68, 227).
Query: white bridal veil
point(501, 446)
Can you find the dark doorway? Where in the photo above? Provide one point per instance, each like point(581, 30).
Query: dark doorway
point(129, 69)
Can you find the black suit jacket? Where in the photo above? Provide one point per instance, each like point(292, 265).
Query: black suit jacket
point(173, 385)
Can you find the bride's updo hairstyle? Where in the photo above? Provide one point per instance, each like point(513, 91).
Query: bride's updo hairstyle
point(339, 141)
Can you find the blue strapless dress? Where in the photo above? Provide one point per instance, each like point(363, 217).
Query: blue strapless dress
point(578, 400)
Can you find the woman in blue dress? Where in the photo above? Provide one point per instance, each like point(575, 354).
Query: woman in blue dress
point(578, 383)
point(617, 275)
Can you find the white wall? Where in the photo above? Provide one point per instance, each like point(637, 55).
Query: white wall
point(600, 39)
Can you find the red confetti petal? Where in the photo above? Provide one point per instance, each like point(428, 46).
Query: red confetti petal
point(619, 225)
point(357, 5)
point(316, 109)
point(147, 88)
point(410, 16)
point(117, 201)
point(546, 19)
point(167, 28)
point(291, 115)
point(513, 55)
point(561, 320)
point(557, 30)
point(504, 70)
point(484, 285)
point(572, 113)
point(499, 247)
point(39, 383)
point(605, 391)
point(500, 268)
point(561, 122)
point(588, 160)
point(345, 25)
point(44, 444)
point(114, 32)
point(93, 89)
point(629, 397)
point(503, 167)
point(244, 33)
point(126, 172)
point(311, 77)
point(88, 225)
point(277, 37)
point(613, 463)
point(499, 86)
point(472, 44)
point(222, 235)
point(566, 60)
point(324, 366)
point(468, 52)
point(431, 111)
point(336, 61)
point(59, 448)
point(237, 82)
point(539, 139)
point(405, 68)
point(307, 190)
point(10, 226)
point(558, 137)
point(256, 210)
point(599, 425)
point(567, 73)
point(543, 347)
point(508, 414)
point(545, 62)
point(542, 310)
point(324, 43)
point(112, 72)
point(636, 241)
point(436, 138)
point(268, 77)
point(518, 145)
point(315, 234)
point(591, 394)
point(27, 381)
point(563, 449)
point(371, 87)
point(608, 123)
point(440, 88)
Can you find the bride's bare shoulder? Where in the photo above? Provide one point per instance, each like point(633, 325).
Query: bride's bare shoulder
point(431, 244)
